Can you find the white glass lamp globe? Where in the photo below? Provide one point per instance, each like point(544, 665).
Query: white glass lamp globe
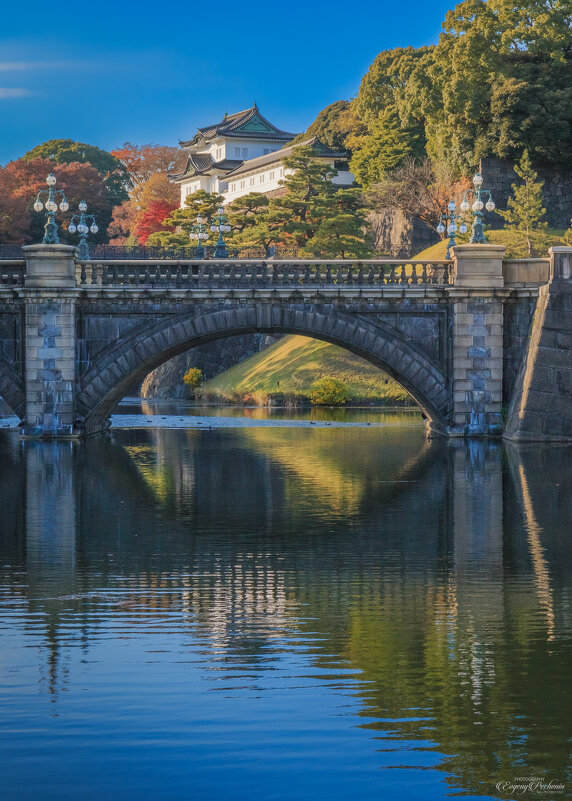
point(51, 206)
point(220, 210)
point(64, 205)
point(72, 229)
point(478, 179)
point(462, 228)
point(465, 205)
point(478, 205)
point(490, 206)
point(51, 179)
point(440, 228)
point(213, 228)
point(452, 206)
point(226, 228)
point(38, 206)
point(452, 229)
point(94, 229)
point(82, 206)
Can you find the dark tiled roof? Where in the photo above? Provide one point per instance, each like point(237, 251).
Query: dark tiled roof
point(231, 125)
point(227, 164)
point(202, 164)
point(278, 155)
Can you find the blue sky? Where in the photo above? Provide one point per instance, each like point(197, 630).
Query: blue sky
point(112, 72)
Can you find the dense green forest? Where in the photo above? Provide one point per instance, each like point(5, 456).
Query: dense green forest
point(497, 83)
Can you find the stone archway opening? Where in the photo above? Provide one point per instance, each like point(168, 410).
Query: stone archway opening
point(133, 357)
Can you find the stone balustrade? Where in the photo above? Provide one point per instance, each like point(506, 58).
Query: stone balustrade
point(261, 273)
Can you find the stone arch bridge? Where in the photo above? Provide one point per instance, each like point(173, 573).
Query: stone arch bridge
point(482, 344)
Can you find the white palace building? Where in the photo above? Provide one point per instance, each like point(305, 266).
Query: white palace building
point(243, 153)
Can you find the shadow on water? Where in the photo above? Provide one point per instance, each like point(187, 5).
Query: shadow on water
point(427, 582)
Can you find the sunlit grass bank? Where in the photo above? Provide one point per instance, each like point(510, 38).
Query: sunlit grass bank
point(285, 372)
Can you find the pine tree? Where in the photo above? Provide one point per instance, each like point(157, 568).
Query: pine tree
point(198, 203)
point(528, 234)
point(308, 184)
point(341, 232)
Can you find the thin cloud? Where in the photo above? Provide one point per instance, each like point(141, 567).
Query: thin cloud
point(7, 94)
point(17, 66)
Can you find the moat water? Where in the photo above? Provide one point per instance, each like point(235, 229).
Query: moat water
point(284, 613)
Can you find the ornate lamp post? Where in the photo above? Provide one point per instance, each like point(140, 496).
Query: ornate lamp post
point(220, 226)
point(450, 220)
point(51, 226)
point(199, 235)
point(82, 228)
point(477, 233)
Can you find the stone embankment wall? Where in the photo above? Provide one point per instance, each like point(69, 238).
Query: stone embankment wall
point(396, 234)
point(541, 408)
point(215, 357)
point(498, 176)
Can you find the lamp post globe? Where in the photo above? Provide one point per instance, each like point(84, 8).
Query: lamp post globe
point(51, 207)
point(220, 226)
point(79, 224)
point(199, 235)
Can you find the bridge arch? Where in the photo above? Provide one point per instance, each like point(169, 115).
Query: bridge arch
point(131, 358)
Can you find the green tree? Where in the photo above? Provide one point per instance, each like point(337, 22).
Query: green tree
point(528, 234)
point(66, 151)
point(308, 184)
point(327, 391)
point(248, 219)
point(499, 83)
point(332, 125)
point(341, 232)
point(198, 203)
point(382, 149)
point(246, 211)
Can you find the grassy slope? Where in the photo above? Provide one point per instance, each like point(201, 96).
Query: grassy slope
point(292, 364)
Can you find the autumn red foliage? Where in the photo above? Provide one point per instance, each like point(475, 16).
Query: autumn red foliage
point(19, 184)
point(151, 219)
point(143, 161)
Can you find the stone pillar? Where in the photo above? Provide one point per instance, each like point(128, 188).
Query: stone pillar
point(477, 345)
point(49, 337)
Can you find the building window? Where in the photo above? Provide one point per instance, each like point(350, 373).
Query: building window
point(244, 152)
point(252, 182)
point(281, 173)
point(242, 184)
point(237, 152)
point(262, 178)
point(233, 187)
point(271, 176)
point(218, 151)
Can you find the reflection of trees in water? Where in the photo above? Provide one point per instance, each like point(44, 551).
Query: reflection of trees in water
point(456, 620)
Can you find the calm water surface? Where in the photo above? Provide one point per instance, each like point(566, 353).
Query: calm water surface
point(284, 613)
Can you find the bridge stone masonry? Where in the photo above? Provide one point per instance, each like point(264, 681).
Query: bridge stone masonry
point(481, 343)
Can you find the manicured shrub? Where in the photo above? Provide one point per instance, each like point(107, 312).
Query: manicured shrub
point(328, 391)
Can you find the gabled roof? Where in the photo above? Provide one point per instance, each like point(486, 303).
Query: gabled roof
point(247, 124)
point(203, 164)
point(320, 151)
